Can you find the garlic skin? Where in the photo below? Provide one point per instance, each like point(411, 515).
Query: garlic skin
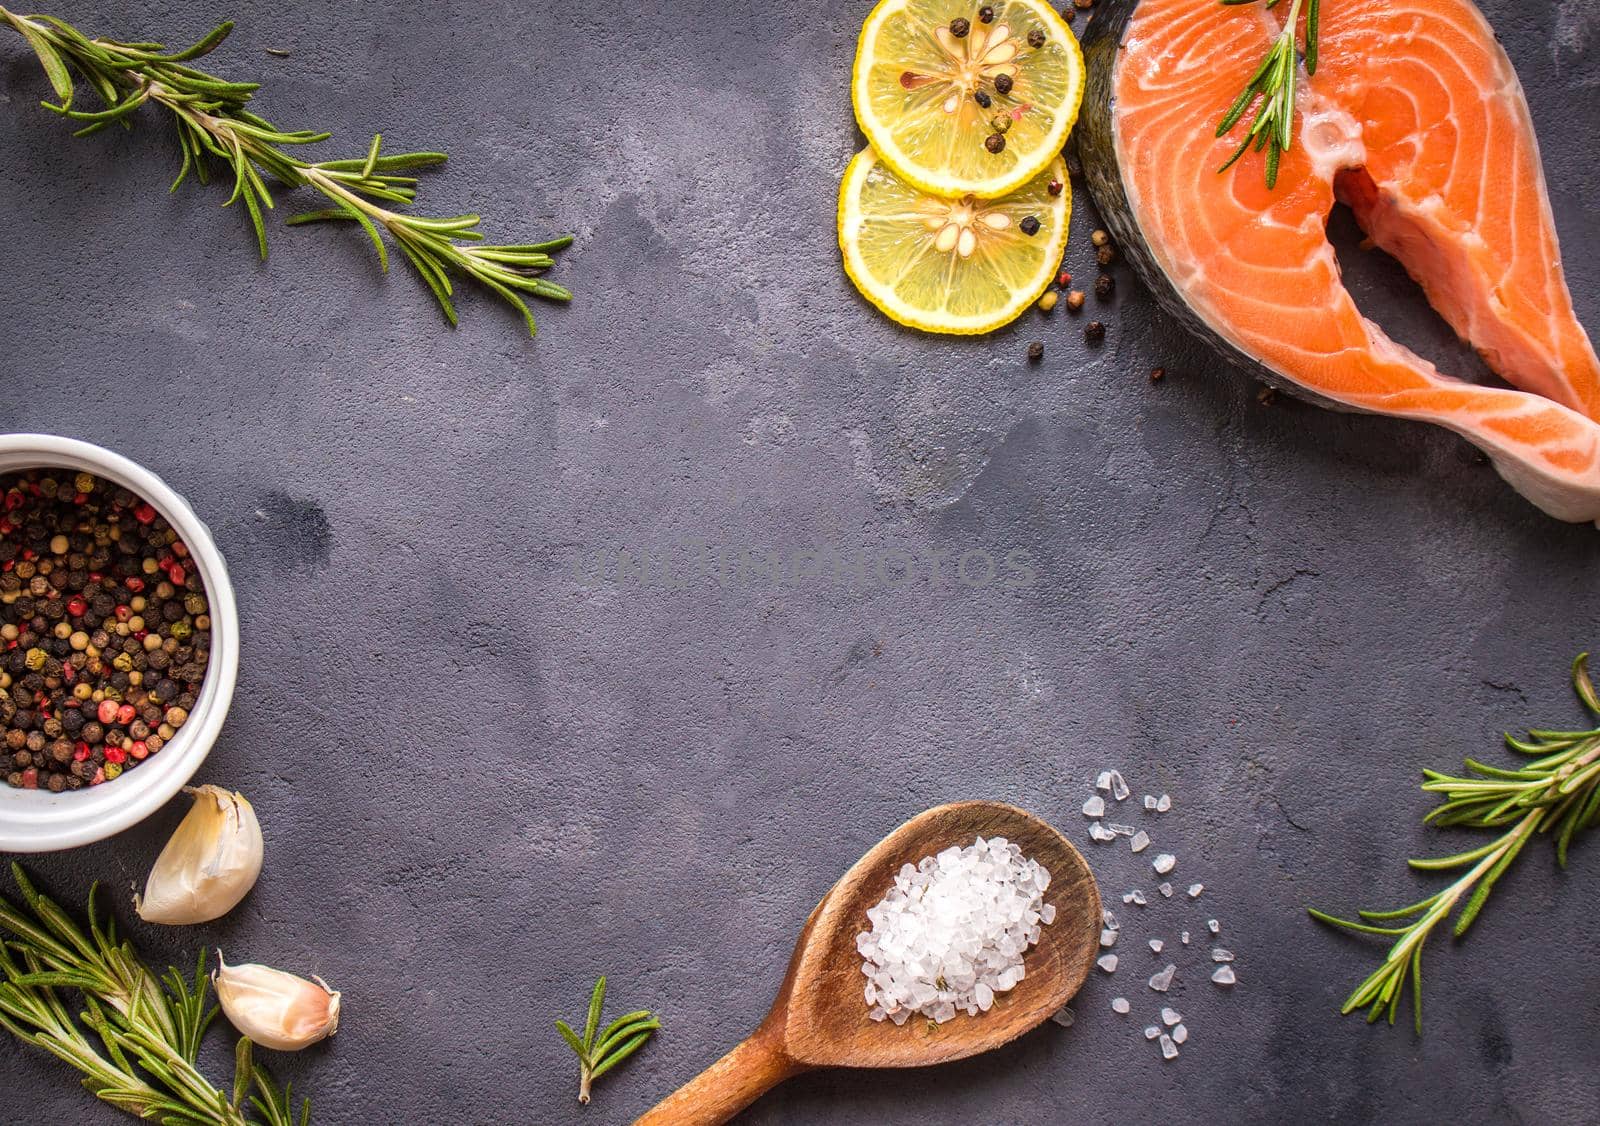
point(276, 1009)
point(209, 865)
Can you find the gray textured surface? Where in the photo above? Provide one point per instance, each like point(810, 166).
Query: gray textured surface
point(482, 781)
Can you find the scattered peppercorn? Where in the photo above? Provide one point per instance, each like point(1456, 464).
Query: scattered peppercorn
point(959, 27)
point(1106, 255)
point(994, 142)
point(1083, 5)
point(1036, 39)
point(986, 14)
point(1048, 301)
point(1075, 300)
point(1069, 13)
point(1055, 187)
point(1035, 352)
point(1064, 279)
point(1104, 286)
point(1094, 332)
point(1267, 396)
point(80, 630)
point(1000, 123)
point(1157, 374)
point(1099, 237)
point(982, 99)
point(1030, 225)
point(1003, 83)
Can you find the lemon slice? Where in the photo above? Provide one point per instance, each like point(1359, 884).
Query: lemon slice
point(918, 90)
point(964, 265)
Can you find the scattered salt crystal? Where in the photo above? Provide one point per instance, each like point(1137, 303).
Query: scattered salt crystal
point(1163, 803)
point(1107, 962)
point(1120, 1005)
point(1119, 788)
point(1180, 1035)
point(1135, 896)
point(1120, 830)
point(1149, 801)
point(952, 930)
point(1099, 832)
point(1166, 890)
point(1213, 926)
point(1108, 920)
point(1104, 781)
point(1151, 1032)
point(1164, 863)
point(1195, 890)
point(1185, 937)
point(1064, 1017)
point(1162, 980)
point(1108, 938)
point(1047, 914)
point(1155, 945)
point(1221, 955)
point(1224, 975)
point(1170, 1017)
point(1169, 1050)
point(1095, 806)
point(1140, 842)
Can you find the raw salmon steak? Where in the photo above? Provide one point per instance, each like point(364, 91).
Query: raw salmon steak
point(1416, 120)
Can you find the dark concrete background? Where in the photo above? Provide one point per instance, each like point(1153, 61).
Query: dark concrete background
point(483, 780)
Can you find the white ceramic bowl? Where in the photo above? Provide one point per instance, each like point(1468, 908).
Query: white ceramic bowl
point(39, 821)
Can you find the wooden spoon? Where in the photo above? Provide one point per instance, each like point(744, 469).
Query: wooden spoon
point(820, 1017)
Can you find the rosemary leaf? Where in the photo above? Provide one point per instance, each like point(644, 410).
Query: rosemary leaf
point(598, 1052)
point(1557, 793)
point(215, 128)
point(1271, 90)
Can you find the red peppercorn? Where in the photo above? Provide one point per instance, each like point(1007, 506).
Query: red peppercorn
point(13, 500)
point(77, 606)
point(80, 498)
point(134, 584)
point(80, 751)
point(123, 613)
point(107, 712)
point(175, 573)
point(139, 749)
point(99, 776)
point(140, 634)
point(127, 714)
point(30, 778)
point(180, 549)
point(117, 754)
point(5, 529)
point(1064, 279)
point(68, 673)
point(144, 513)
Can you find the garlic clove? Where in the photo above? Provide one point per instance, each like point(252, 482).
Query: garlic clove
point(276, 1009)
point(209, 865)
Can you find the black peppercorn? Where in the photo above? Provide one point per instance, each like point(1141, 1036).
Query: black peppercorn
point(959, 27)
point(1094, 332)
point(1157, 374)
point(1055, 187)
point(1104, 286)
point(1106, 255)
point(986, 14)
point(1035, 352)
point(1030, 225)
point(994, 142)
point(1003, 83)
point(1036, 39)
point(982, 99)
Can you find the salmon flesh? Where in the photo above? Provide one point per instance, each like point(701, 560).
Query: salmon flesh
point(1415, 120)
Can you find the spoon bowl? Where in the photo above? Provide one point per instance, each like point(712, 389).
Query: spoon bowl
point(820, 1016)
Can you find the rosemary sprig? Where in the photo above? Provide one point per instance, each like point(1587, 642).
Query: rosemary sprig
point(1273, 83)
point(1558, 792)
point(148, 1030)
point(598, 1052)
point(215, 125)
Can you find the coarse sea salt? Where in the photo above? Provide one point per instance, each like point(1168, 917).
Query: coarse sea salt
point(1170, 1017)
point(1164, 863)
point(1108, 937)
point(1155, 945)
point(1064, 1017)
point(1095, 806)
point(1120, 1005)
point(1169, 1050)
point(1162, 980)
point(1140, 841)
point(1195, 890)
point(1180, 1034)
point(1224, 975)
point(951, 932)
point(1107, 962)
point(1099, 832)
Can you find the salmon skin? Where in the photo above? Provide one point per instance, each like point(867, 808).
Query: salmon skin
point(1416, 120)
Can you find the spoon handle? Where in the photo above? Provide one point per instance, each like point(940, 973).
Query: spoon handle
point(727, 1086)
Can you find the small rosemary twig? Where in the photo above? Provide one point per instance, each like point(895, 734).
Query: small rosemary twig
point(1558, 792)
point(149, 1031)
point(214, 124)
point(1272, 127)
point(598, 1052)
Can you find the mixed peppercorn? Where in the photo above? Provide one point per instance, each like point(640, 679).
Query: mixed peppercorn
point(105, 629)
